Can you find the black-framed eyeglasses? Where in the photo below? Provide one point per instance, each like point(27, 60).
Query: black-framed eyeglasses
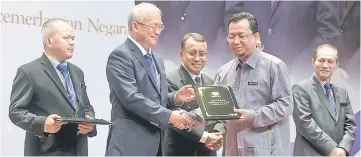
point(153, 26)
point(194, 54)
point(242, 37)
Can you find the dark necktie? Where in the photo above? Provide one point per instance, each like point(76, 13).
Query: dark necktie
point(153, 69)
point(69, 85)
point(329, 95)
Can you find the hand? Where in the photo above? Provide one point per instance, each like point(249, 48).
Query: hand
point(244, 115)
point(338, 152)
point(214, 141)
point(51, 126)
point(185, 94)
point(180, 120)
point(85, 128)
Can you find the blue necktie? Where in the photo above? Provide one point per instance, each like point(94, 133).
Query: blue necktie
point(69, 85)
point(197, 80)
point(153, 68)
point(329, 95)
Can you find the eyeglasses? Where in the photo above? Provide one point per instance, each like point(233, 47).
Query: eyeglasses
point(153, 26)
point(232, 38)
point(194, 54)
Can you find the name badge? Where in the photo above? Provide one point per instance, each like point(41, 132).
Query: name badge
point(252, 83)
point(83, 86)
point(343, 104)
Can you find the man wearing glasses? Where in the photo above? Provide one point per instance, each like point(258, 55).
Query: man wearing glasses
point(139, 92)
point(193, 142)
point(262, 89)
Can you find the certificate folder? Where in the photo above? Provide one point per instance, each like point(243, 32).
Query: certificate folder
point(83, 121)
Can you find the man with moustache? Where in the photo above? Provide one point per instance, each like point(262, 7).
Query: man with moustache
point(323, 113)
point(49, 88)
point(139, 91)
point(194, 141)
point(262, 89)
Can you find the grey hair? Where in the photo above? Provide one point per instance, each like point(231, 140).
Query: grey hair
point(140, 12)
point(49, 29)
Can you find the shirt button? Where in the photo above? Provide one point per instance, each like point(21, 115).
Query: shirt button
point(76, 115)
point(341, 30)
point(269, 31)
point(182, 18)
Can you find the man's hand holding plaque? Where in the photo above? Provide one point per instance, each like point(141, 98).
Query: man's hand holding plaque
point(244, 115)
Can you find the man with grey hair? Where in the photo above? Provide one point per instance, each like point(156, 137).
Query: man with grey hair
point(323, 114)
point(138, 90)
point(49, 88)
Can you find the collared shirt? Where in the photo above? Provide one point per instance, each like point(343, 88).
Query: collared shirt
point(265, 92)
point(141, 48)
point(193, 76)
point(55, 63)
point(144, 52)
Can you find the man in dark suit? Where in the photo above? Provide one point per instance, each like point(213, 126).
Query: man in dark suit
point(49, 88)
point(291, 30)
point(181, 17)
point(348, 40)
point(139, 91)
point(192, 142)
point(323, 113)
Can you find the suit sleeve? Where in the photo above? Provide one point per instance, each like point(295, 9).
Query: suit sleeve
point(305, 124)
point(20, 102)
point(348, 138)
point(191, 133)
point(281, 106)
point(89, 110)
point(121, 77)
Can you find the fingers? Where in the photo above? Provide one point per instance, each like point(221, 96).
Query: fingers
point(85, 128)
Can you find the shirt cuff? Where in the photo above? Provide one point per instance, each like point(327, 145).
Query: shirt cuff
point(204, 137)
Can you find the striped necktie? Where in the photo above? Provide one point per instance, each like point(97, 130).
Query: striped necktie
point(153, 69)
point(329, 95)
point(63, 68)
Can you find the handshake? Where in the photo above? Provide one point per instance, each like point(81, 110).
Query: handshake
point(181, 119)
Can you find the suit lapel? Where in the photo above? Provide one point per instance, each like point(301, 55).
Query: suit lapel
point(138, 54)
point(50, 71)
point(337, 100)
point(186, 78)
point(347, 9)
point(76, 83)
point(273, 9)
point(157, 62)
point(321, 94)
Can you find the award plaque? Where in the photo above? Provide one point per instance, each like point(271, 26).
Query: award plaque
point(216, 102)
point(83, 121)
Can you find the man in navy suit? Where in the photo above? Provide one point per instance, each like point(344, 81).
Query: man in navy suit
point(139, 91)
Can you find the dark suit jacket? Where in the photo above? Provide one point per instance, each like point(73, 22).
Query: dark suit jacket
point(292, 30)
point(318, 130)
point(38, 92)
point(348, 41)
point(139, 108)
point(186, 142)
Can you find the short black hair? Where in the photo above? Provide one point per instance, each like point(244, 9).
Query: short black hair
point(245, 15)
point(196, 36)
